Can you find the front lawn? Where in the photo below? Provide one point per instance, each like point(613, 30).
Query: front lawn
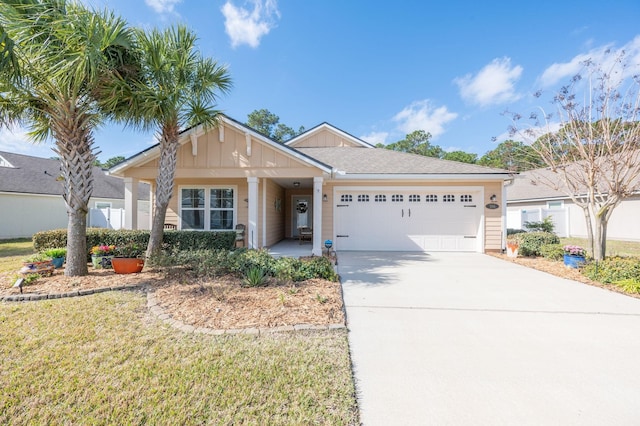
point(614, 247)
point(102, 359)
point(12, 252)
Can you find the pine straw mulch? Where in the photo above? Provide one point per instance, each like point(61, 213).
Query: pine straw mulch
point(218, 303)
point(558, 268)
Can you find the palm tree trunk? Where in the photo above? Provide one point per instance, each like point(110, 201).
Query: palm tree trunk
point(164, 188)
point(76, 160)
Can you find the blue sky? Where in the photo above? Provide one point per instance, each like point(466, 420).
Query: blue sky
point(380, 70)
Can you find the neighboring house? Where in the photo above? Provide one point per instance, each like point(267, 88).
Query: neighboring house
point(346, 190)
point(31, 196)
point(529, 200)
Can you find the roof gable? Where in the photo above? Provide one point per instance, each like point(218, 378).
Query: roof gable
point(196, 141)
point(325, 135)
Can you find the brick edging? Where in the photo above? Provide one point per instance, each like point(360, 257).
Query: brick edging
point(159, 312)
point(33, 297)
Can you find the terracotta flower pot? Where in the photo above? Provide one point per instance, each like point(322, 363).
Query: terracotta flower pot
point(127, 265)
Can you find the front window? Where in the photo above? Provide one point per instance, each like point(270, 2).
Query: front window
point(216, 204)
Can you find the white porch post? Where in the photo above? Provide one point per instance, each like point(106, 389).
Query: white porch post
point(252, 231)
point(317, 216)
point(130, 203)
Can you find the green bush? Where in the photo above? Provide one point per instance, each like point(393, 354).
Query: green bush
point(172, 240)
point(207, 263)
point(531, 242)
point(546, 225)
point(512, 231)
point(552, 251)
point(629, 286)
point(613, 269)
point(254, 277)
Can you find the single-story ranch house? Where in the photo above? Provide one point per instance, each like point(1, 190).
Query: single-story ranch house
point(344, 189)
point(31, 197)
point(531, 201)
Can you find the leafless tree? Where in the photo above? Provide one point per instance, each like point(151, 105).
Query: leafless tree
point(591, 145)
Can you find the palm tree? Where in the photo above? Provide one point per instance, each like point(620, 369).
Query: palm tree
point(61, 53)
point(177, 90)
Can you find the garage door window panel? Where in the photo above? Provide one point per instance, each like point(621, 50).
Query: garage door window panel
point(397, 198)
point(431, 198)
point(363, 198)
point(448, 198)
point(380, 198)
point(346, 198)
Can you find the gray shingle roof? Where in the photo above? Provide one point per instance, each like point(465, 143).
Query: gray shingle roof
point(35, 175)
point(384, 161)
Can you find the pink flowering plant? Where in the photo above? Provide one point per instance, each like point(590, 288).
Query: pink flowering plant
point(574, 250)
point(103, 250)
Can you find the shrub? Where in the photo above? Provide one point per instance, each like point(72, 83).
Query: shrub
point(552, 251)
point(531, 242)
point(629, 286)
point(255, 277)
point(240, 262)
point(173, 240)
point(546, 225)
point(613, 269)
point(56, 252)
point(512, 231)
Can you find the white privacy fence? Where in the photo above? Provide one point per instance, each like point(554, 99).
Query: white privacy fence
point(517, 217)
point(114, 218)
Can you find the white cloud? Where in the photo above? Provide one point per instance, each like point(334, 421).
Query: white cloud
point(493, 84)
point(376, 137)
point(604, 56)
point(17, 141)
point(422, 115)
point(245, 26)
point(162, 6)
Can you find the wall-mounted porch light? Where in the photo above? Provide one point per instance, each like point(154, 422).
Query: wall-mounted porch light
point(325, 198)
point(296, 184)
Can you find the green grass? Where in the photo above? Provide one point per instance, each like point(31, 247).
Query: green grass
point(101, 359)
point(12, 252)
point(614, 248)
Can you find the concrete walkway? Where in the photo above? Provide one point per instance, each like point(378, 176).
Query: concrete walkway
point(465, 338)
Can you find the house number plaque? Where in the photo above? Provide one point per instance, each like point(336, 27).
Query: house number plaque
point(492, 206)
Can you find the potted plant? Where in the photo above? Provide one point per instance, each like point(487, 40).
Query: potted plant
point(512, 246)
point(574, 256)
point(128, 259)
point(101, 256)
point(57, 256)
point(38, 263)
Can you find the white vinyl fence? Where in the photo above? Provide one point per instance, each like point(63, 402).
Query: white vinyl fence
point(106, 218)
point(517, 217)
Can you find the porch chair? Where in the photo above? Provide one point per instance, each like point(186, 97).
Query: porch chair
point(240, 228)
point(171, 226)
point(305, 234)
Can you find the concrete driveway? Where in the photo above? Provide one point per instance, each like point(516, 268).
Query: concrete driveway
point(465, 338)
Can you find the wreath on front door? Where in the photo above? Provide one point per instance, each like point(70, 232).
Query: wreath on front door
point(302, 207)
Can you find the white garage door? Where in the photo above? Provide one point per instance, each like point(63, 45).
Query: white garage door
point(408, 219)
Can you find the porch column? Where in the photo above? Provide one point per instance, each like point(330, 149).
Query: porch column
point(317, 216)
point(130, 203)
point(252, 230)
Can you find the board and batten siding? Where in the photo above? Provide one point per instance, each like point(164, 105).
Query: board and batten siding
point(324, 139)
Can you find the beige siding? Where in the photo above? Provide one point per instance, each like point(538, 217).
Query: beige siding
point(275, 225)
point(323, 139)
point(493, 218)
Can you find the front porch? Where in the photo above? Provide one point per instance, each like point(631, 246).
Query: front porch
point(290, 248)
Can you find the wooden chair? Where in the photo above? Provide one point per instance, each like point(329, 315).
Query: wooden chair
point(305, 234)
point(240, 229)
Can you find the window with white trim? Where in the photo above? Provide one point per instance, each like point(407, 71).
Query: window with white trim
point(431, 198)
point(448, 198)
point(363, 198)
point(380, 198)
point(207, 209)
point(555, 205)
point(346, 198)
point(103, 204)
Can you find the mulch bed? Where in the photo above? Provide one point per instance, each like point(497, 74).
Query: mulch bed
point(219, 303)
point(560, 270)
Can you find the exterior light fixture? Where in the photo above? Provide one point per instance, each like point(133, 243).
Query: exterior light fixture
point(296, 184)
point(325, 198)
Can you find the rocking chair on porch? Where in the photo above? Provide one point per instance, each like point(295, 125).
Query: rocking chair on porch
point(305, 234)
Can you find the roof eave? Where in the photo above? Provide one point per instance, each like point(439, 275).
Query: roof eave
point(423, 176)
